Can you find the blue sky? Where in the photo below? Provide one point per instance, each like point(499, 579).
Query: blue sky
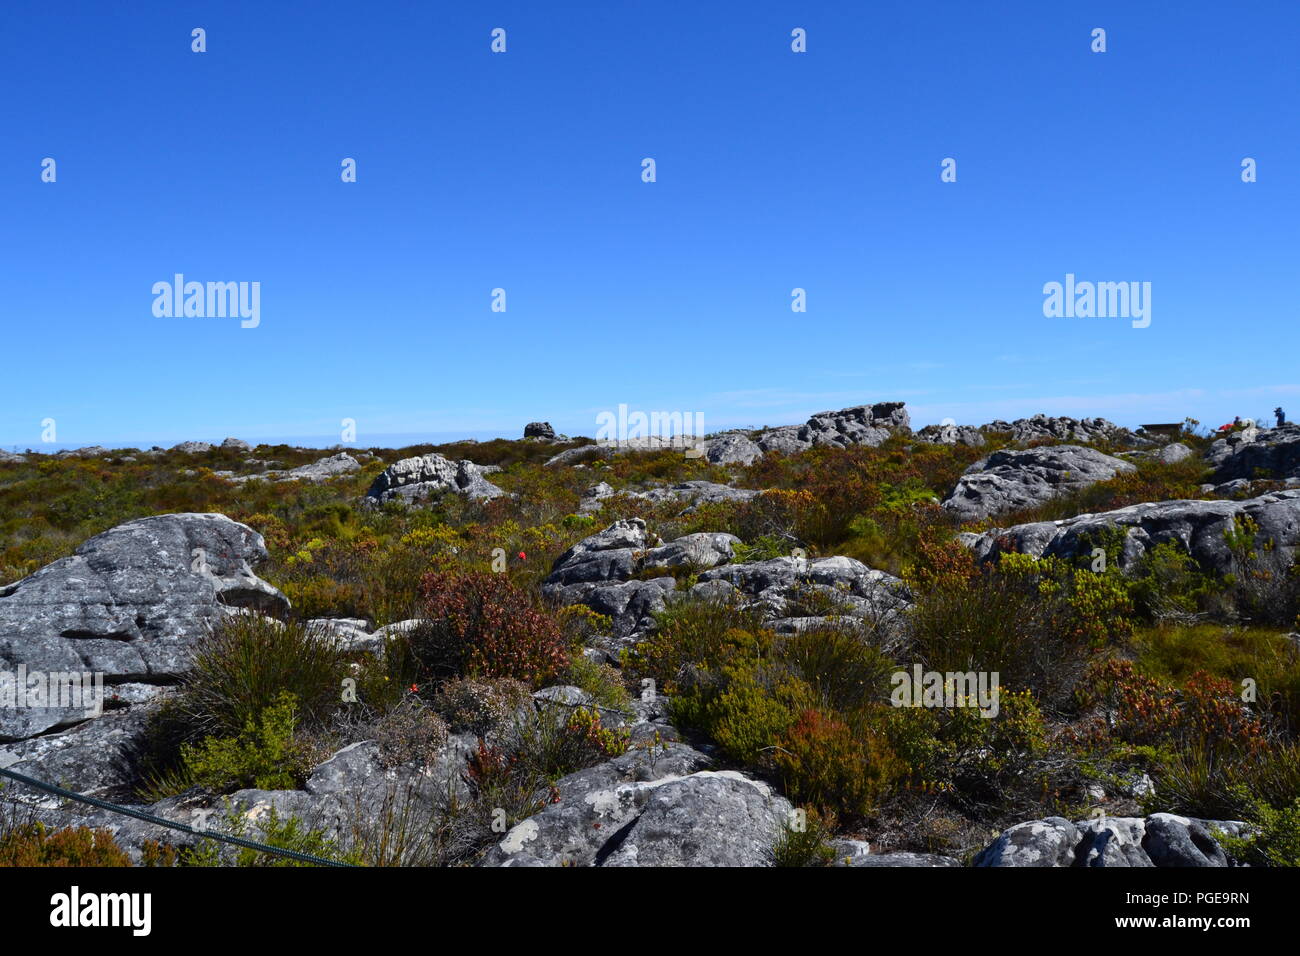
point(522, 171)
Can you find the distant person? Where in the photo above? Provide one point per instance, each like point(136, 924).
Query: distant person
point(1281, 416)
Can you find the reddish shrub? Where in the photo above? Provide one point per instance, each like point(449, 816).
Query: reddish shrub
point(482, 625)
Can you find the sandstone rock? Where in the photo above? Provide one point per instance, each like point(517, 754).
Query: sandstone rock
point(318, 471)
point(90, 451)
point(649, 808)
point(324, 469)
point(413, 479)
point(700, 550)
point(1195, 526)
point(1255, 453)
point(952, 435)
point(1173, 453)
point(238, 444)
point(130, 603)
point(733, 448)
point(192, 447)
point(599, 572)
point(1162, 839)
point(862, 425)
point(1042, 428)
point(782, 585)
point(1012, 480)
point(539, 430)
point(855, 853)
point(696, 492)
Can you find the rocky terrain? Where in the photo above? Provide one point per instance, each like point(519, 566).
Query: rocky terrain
point(684, 663)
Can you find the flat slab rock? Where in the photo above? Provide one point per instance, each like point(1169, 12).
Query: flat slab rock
point(1008, 481)
point(1195, 526)
point(131, 604)
point(1162, 839)
point(317, 471)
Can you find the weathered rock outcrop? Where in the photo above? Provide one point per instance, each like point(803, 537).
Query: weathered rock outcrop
point(414, 479)
point(317, 471)
point(1162, 839)
point(952, 435)
point(1257, 453)
point(1064, 428)
point(1008, 481)
point(607, 572)
point(129, 604)
point(862, 425)
point(650, 808)
point(1196, 526)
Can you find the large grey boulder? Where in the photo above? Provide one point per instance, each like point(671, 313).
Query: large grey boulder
point(11, 458)
point(611, 554)
point(656, 807)
point(414, 479)
point(1195, 526)
point(129, 604)
point(94, 757)
point(238, 444)
point(353, 793)
point(539, 430)
point(193, 447)
point(1008, 481)
point(1160, 840)
point(1257, 453)
point(732, 448)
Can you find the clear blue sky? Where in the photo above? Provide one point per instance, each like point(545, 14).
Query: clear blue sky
point(522, 170)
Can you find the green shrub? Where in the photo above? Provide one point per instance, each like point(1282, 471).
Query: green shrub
point(807, 845)
point(247, 664)
point(263, 755)
point(1275, 840)
point(284, 834)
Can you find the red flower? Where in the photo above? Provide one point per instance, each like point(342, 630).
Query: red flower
point(522, 556)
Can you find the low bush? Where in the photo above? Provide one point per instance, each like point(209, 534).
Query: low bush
point(481, 624)
point(35, 844)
